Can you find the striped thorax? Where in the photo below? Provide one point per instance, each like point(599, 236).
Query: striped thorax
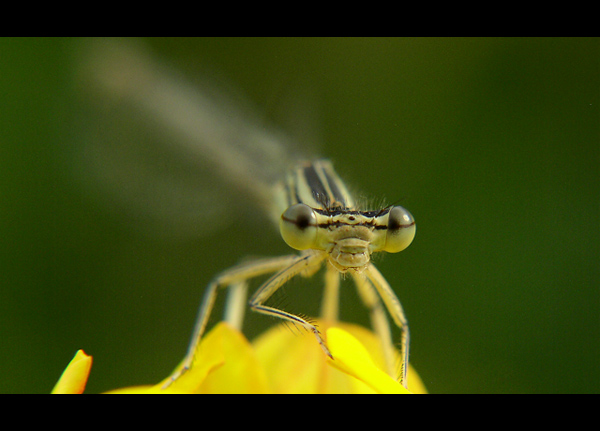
point(320, 215)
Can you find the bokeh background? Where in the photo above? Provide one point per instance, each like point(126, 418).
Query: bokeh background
point(492, 143)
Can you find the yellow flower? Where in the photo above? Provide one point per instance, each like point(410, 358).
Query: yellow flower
point(280, 361)
point(296, 364)
point(225, 363)
point(75, 376)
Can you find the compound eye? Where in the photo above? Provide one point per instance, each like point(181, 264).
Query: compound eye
point(401, 230)
point(298, 227)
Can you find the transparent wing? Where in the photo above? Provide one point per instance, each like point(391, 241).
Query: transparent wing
point(172, 156)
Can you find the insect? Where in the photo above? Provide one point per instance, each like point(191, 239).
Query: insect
point(305, 197)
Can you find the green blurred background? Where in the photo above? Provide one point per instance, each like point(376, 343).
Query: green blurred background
point(493, 145)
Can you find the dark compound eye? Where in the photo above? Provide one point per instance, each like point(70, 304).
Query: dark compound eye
point(298, 226)
point(401, 230)
point(301, 215)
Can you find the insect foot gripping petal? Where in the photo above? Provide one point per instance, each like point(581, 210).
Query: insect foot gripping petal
point(175, 376)
point(321, 341)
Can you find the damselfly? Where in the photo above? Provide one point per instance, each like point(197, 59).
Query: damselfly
point(313, 208)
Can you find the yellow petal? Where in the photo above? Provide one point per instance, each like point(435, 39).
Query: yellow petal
point(241, 372)
point(372, 344)
point(74, 378)
point(352, 358)
point(295, 363)
point(224, 363)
